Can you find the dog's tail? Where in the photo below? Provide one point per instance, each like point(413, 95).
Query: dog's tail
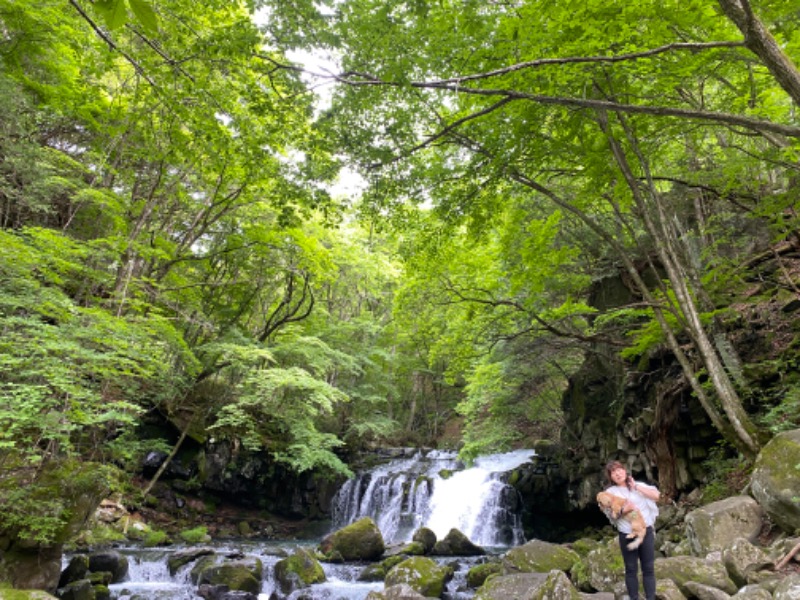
point(636, 542)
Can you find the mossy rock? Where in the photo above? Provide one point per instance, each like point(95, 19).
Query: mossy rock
point(528, 586)
point(775, 482)
point(236, 576)
point(427, 537)
point(478, 574)
point(9, 594)
point(422, 574)
point(298, 571)
point(76, 570)
point(361, 540)
point(372, 573)
point(537, 556)
point(184, 557)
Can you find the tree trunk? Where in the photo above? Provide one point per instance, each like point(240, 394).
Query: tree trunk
point(657, 223)
point(761, 43)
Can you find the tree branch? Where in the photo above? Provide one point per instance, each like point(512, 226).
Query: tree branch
point(112, 46)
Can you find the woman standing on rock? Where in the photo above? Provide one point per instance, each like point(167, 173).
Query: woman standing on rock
point(637, 497)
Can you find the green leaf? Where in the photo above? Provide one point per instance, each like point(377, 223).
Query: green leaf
point(113, 12)
point(145, 14)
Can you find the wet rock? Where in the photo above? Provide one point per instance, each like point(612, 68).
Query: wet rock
point(78, 590)
point(717, 525)
point(184, 557)
point(361, 540)
point(298, 571)
point(456, 543)
point(237, 575)
point(222, 592)
point(111, 561)
point(76, 570)
point(426, 537)
point(478, 574)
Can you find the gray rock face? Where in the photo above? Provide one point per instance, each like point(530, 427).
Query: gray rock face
point(667, 590)
point(554, 585)
point(716, 525)
point(741, 558)
point(752, 592)
point(706, 592)
point(776, 479)
point(788, 589)
point(683, 569)
point(605, 566)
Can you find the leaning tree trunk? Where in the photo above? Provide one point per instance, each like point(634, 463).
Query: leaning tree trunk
point(761, 43)
point(657, 224)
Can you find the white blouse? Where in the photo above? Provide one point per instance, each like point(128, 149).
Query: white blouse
point(647, 508)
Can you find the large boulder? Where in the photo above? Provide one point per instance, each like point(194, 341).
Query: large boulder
point(788, 589)
point(300, 570)
point(714, 526)
point(422, 574)
point(237, 574)
point(76, 570)
point(65, 496)
point(554, 585)
point(184, 557)
point(705, 592)
point(683, 569)
point(109, 561)
point(426, 537)
point(752, 592)
point(776, 479)
point(456, 543)
point(401, 591)
point(603, 567)
point(478, 574)
point(666, 589)
point(537, 556)
point(741, 558)
point(361, 540)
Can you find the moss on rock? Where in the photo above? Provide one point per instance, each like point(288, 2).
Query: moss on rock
point(422, 574)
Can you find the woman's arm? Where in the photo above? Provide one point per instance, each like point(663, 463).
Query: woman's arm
point(649, 492)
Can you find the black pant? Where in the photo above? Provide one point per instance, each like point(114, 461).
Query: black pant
point(645, 554)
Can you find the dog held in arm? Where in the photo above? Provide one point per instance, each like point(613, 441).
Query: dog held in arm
point(612, 506)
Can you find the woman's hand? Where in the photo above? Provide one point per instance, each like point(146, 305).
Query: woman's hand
point(630, 482)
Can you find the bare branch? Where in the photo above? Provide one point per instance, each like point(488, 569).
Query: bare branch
point(542, 62)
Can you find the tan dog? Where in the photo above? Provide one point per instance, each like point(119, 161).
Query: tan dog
point(612, 506)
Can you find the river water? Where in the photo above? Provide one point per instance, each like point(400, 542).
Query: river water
point(431, 489)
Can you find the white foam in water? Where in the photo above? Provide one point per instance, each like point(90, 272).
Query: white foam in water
point(469, 500)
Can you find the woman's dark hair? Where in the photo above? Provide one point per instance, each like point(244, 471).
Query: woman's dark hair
point(613, 466)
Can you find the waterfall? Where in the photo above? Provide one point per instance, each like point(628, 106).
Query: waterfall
point(435, 490)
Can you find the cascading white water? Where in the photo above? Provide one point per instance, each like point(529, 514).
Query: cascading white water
point(436, 491)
